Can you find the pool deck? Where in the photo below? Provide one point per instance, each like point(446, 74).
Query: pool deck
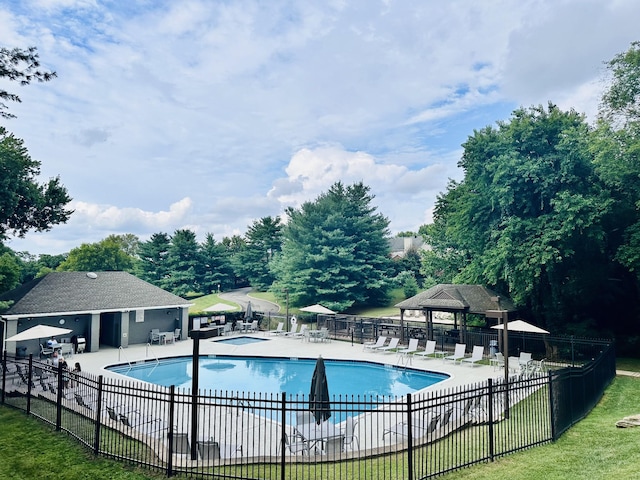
point(279, 346)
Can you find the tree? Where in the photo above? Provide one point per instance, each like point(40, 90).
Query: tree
point(22, 66)
point(24, 203)
point(9, 272)
point(152, 265)
point(527, 217)
point(335, 251)
point(216, 271)
point(183, 261)
point(105, 255)
point(263, 240)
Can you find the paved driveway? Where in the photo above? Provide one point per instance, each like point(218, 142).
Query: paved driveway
point(241, 297)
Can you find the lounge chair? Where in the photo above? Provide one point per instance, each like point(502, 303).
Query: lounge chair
point(279, 329)
point(429, 350)
point(458, 353)
point(302, 333)
point(293, 331)
point(476, 355)
point(393, 345)
point(419, 428)
point(411, 349)
point(375, 345)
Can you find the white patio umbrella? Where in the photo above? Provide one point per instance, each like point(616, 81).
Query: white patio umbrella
point(520, 326)
point(38, 332)
point(220, 307)
point(317, 308)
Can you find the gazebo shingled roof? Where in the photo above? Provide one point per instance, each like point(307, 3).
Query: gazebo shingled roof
point(458, 299)
point(449, 297)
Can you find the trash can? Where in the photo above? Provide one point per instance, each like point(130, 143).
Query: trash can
point(82, 345)
point(493, 348)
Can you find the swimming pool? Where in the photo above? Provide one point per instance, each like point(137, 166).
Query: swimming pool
point(275, 375)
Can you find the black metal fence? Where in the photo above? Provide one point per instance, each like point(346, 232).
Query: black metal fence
point(254, 436)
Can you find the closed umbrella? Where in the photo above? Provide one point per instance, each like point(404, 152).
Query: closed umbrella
point(249, 313)
point(319, 402)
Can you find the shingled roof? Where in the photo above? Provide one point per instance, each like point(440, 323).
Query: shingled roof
point(78, 292)
point(451, 297)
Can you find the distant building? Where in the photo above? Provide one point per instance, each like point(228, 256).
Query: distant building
point(105, 308)
point(399, 246)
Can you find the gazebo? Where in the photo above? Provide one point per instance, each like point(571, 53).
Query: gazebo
point(457, 299)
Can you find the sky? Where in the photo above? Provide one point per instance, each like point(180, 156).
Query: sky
point(212, 114)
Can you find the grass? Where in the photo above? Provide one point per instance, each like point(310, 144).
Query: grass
point(593, 449)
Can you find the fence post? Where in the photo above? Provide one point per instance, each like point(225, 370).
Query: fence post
point(282, 434)
point(491, 429)
point(552, 409)
point(29, 382)
point(59, 398)
point(96, 445)
point(4, 375)
point(172, 400)
point(409, 439)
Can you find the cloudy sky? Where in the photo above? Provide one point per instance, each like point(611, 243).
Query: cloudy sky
point(210, 114)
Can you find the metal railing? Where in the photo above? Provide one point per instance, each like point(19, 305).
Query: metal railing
point(263, 436)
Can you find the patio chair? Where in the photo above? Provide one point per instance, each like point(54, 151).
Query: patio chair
point(298, 445)
point(228, 329)
point(333, 446)
point(458, 353)
point(279, 329)
point(44, 351)
point(393, 345)
point(181, 445)
point(154, 336)
point(350, 433)
point(324, 335)
point(80, 400)
point(476, 355)
point(375, 345)
point(209, 451)
point(176, 335)
point(498, 361)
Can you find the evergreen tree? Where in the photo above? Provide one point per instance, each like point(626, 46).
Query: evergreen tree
point(216, 271)
point(263, 240)
point(152, 265)
point(335, 251)
point(183, 263)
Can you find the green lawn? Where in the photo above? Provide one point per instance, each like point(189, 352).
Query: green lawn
point(593, 449)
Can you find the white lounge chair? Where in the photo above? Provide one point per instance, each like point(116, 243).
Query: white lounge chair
point(393, 345)
point(430, 350)
point(279, 329)
point(375, 345)
point(476, 355)
point(411, 349)
point(458, 354)
point(302, 333)
point(293, 331)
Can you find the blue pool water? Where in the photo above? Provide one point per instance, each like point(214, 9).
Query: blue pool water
point(275, 375)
